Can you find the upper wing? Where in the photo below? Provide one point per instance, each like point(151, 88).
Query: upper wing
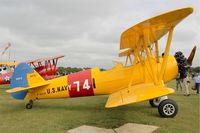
point(157, 27)
point(9, 63)
point(126, 52)
point(137, 93)
point(44, 59)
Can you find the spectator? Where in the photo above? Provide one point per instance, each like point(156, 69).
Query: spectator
point(196, 79)
point(184, 82)
point(178, 82)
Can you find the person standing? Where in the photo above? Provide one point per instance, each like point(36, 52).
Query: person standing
point(184, 82)
point(183, 68)
point(197, 82)
point(178, 82)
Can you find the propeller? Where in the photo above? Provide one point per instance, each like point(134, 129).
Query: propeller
point(184, 63)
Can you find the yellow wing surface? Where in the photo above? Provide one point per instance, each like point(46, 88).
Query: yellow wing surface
point(9, 63)
point(18, 89)
point(126, 52)
point(137, 93)
point(34, 81)
point(155, 28)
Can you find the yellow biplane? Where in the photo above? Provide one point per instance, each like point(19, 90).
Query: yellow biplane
point(142, 80)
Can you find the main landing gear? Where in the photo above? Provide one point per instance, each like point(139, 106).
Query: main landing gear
point(155, 102)
point(29, 105)
point(166, 107)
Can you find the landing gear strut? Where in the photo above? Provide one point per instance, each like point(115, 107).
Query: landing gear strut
point(155, 102)
point(29, 105)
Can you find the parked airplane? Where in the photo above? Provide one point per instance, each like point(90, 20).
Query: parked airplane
point(46, 67)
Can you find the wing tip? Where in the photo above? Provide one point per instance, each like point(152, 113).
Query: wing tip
point(18, 89)
point(9, 91)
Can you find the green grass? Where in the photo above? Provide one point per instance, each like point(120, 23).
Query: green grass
point(63, 114)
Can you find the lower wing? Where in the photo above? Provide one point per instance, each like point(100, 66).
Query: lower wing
point(137, 93)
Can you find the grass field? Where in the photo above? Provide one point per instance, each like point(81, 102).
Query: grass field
point(63, 114)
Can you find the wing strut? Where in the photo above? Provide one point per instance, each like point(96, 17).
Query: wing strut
point(130, 59)
point(136, 57)
point(156, 44)
point(157, 52)
point(126, 60)
point(164, 63)
point(146, 43)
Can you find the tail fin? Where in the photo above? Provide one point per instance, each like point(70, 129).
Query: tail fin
point(24, 78)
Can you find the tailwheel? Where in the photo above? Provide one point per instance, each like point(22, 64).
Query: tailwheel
point(168, 108)
point(155, 102)
point(29, 105)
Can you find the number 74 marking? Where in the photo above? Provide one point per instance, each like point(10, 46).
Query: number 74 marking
point(85, 85)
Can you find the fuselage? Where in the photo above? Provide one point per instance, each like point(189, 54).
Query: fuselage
point(95, 82)
point(47, 72)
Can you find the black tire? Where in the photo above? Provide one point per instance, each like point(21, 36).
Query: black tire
point(29, 106)
point(168, 108)
point(152, 103)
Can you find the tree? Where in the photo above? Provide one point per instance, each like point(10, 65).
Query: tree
point(195, 69)
point(68, 70)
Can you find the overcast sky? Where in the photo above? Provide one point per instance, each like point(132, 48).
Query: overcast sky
point(87, 32)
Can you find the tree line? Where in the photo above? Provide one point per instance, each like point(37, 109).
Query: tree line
point(68, 70)
point(195, 69)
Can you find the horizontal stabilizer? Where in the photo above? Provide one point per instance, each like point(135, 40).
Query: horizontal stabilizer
point(137, 93)
point(18, 89)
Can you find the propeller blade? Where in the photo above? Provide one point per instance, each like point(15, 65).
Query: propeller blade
point(191, 57)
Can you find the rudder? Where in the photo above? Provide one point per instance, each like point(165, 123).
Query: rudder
point(19, 79)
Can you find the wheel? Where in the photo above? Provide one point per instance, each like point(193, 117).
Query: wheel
point(168, 108)
point(155, 102)
point(151, 102)
point(29, 106)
